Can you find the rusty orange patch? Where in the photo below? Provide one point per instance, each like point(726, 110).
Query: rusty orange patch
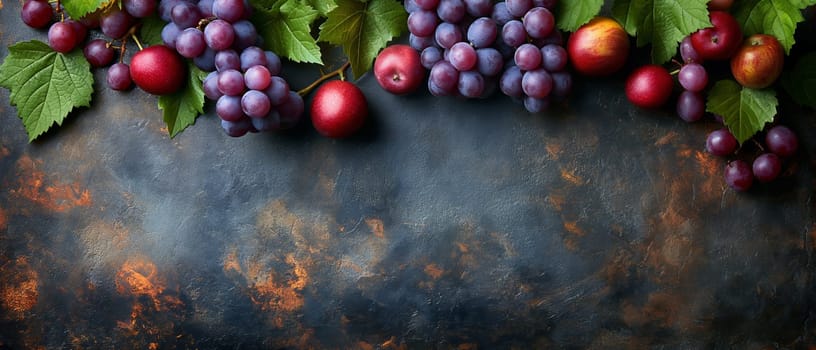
point(570, 176)
point(19, 290)
point(557, 201)
point(362, 345)
point(553, 150)
point(573, 228)
point(52, 195)
point(267, 290)
point(4, 151)
point(3, 219)
point(434, 271)
point(666, 139)
point(376, 226)
point(392, 344)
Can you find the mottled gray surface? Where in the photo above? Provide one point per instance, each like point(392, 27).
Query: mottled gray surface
point(445, 224)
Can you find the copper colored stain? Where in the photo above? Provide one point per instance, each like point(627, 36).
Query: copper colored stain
point(570, 176)
point(557, 201)
point(266, 288)
point(392, 344)
point(52, 195)
point(434, 271)
point(553, 150)
point(376, 226)
point(19, 290)
point(4, 151)
point(468, 346)
point(3, 219)
point(362, 345)
point(666, 139)
point(573, 228)
point(139, 276)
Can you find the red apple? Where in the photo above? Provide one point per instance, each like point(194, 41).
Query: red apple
point(649, 86)
point(398, 69)
point(719, 42)
point(338, 109)
point(158, 70)
point(599, 47)
point(720, 5)
point(758, 62)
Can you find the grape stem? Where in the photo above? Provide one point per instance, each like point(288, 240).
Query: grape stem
point(339, 71)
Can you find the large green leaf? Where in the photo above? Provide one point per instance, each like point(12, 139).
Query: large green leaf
point(181, 109)
point(745, 111)
point(363, 28)
point(79, 8)
point(573, 14)
point(45, 85)
point(662, 23)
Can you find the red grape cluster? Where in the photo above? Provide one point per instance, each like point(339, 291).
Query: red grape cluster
point(471, 47)
point(244, 79)
point(780, 143)
point(215, 34)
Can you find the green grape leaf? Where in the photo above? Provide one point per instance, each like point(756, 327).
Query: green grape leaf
point(803, 3)
point(362, 29)
point(79, 8)
point(323, 7)
point(181, 108)
point(773, 17)
point(571, 15)
point(662, 23)
point(45, 85)
point(150, 31)
point(285, 26)
point(800, 82)
point(745, 111)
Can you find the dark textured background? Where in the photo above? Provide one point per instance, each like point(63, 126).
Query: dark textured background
point(445, 224)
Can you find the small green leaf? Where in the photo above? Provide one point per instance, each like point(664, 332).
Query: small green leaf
point(285, 26)
point(662, 23)
point(773, 17)
point(323, 7)
point(181, 109)
point(363, 28)
point(79, 8)
point(45, 85)
point(800, 82)
point(571, 15)
point(745, 111)
point(150, 32)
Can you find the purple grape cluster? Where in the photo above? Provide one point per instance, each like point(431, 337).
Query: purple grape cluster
point(780, 143)
point(244, 79)
point(693, 78)
point(473, 47)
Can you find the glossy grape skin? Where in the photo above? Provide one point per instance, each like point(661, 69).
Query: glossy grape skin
point(229, 10)
point(527, 57)
point(116, 24)
point(140, 8)
point(463, 56)
point(562, 84)
point(430, 56)
point(691, 106)
point(231, 82)
point(510, 83)
point(782, 141)
point(447, 34)
point(277, 91)
point(238, 128)
point(427, 5)
point(36, 13)
point(246, 34)
point(451, 11)
point(738, 175)
point(422, 23)
point(535, 105)
point(229, 108)
point(501, 14)
point(554, 58)
point(205, 61)
point(252, 56)
point(766, 167)
point(444, 75)
point(62, 37)
point(191, 43)
point(490, 62)
point(118, 77)
point(291, 111)
point(693, 77)
point(273, 63)
point(255, 104)
point(227, 59)
point(721, 143)
point(170, 33)
point(688, 53)
point(518, 8)
point(539, 22)
point(257, 78)
point(210, 87)
point(482, 32)
point(471, 84)
point(219, 35)
point(98, 53)
point(420, 42)
point(514, 34)
point(537, 83)
point(479, 8)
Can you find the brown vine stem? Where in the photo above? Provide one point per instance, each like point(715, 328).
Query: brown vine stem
point(339, 71)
